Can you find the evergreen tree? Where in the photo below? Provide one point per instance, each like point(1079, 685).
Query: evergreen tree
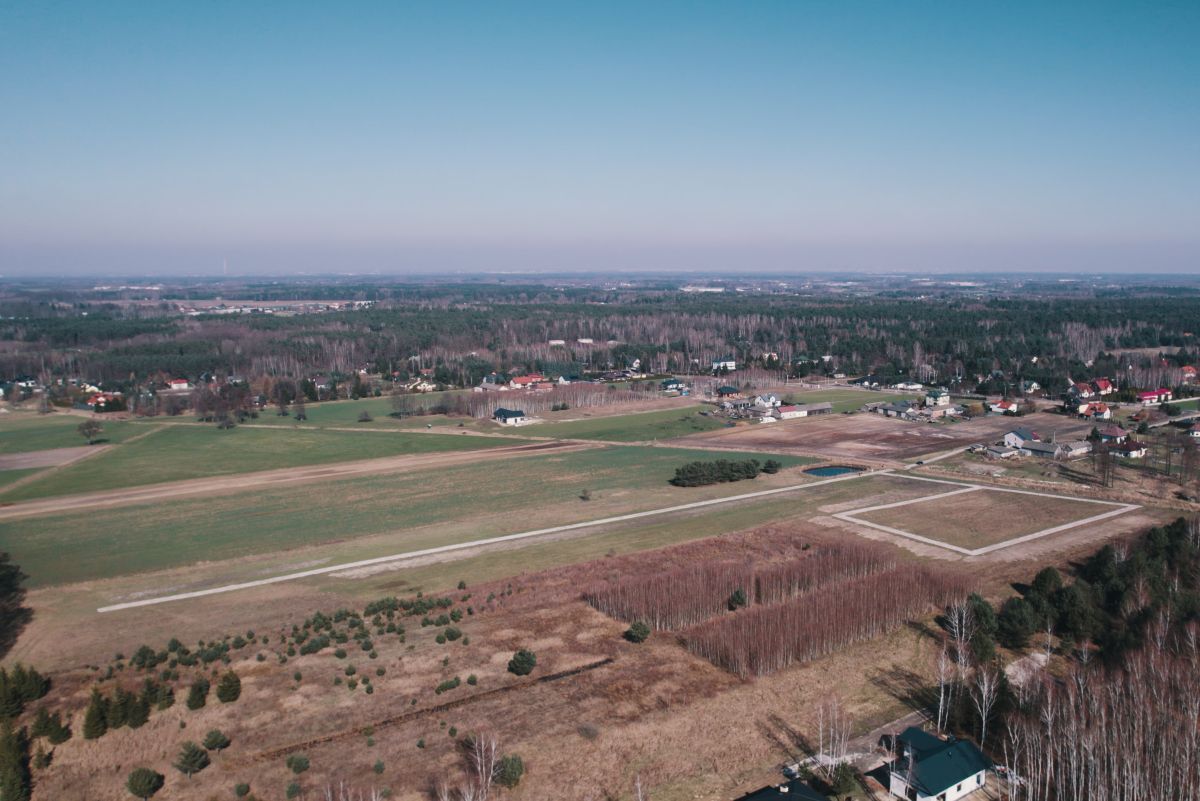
point(216, 740)
point(95, 720)
point(191, 760)
point(522, 663)
point(229, 688)
point(143, 782)
point(198, 694)
point(16, 781)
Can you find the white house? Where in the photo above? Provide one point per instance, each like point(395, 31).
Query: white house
point(729, 364)
point(931, 769)
point(937, 397)
point(1019, 436)
point(178, 383)
point(792, 412)
point(767, 401)
point(510, 417)
point(1003, 407)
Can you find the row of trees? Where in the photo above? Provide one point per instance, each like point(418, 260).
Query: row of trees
point(718, 471)
point(765, 639)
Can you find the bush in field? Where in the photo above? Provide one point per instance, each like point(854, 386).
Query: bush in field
point(638, 632)
point(191, 760)
point(522, 663)
point(771, 466)
point(198, 694)
point(143, 782)
point(699, 474)
point(229, 688)
point(297, 763)
point(241, 790)
point(737, 599)
point(509, 770)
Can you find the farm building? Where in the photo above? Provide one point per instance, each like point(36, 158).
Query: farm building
point(795, 790)
point(1001, 452)
point(728, 392)
point(791, 412)
point(1129, 450)
point(510, 417)
point(671, 385)
point(932, 769)
point(1003, 407)
point(728, 363)
point(1043, 450)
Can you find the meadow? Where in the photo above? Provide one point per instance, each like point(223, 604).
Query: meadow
point(636, 427)
point(414, 510)
point(22, 432)
point(178, 452)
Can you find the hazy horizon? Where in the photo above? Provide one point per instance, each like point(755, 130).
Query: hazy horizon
point(542, 138)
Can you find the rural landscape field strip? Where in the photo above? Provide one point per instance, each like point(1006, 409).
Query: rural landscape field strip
point(480, 543)
point(852, 516)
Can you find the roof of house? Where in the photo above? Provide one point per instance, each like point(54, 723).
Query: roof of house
point(937, 393)
point(1001, 449)
point(816, 407)
point(1128, 447)
point(1033, 446)
point(789, 407)
point(795, 790)
point(728, 390)
point(507, 414)
point(1025, 434)
point(940, 764)
point(1103, 383)
point(1113, 431)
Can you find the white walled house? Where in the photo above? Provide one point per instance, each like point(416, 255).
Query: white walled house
point(932, 769)
point(510, 417)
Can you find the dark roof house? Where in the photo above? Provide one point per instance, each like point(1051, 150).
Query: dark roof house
point(930, 767)
point(507, 414)
point(795, 790)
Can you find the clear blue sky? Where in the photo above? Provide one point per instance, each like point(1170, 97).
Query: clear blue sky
point(164, 136)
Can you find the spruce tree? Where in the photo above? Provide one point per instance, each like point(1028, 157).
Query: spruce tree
point(16, 781)
point(95, 720)
point(216, 740)
point(143, 782)
point(198, 694)
point(229, 688)
point(191, 760)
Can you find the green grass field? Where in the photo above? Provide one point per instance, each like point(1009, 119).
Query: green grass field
point(845, 400)
point(414, 510)
point(177, 452)
point(22, 432)
point(636, 427)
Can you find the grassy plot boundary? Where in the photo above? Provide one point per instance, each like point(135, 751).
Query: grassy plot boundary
point(855, 516)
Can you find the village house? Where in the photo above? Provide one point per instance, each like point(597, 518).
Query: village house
point(1082, 390)
point(727, 392)
point(791, 412)
point(510, 417)
point(929, 768)
point(529, 381)
point(179, 384)
point(1194, 432)
point(795, 790)
point(671, 385)
point(1030, 387)
point(1188, 374)
point(937, 397)
point(911, 386)
point(1003, 407)
point(1019, 436)
point(1103, 386)
point(729, 364)
point(493, 382)
point(1113, 433)
point(419, 385)
point(766, 401)
point(1154, 397)
point(1042, 450)
point(1129, 450)
point(905, 409)
point(1096, 410)
point(1074, 449)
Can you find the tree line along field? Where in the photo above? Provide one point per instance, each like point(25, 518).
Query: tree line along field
point(180, 452)
point(413, 509)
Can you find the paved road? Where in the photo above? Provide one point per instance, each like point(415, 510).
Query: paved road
point(541, 532)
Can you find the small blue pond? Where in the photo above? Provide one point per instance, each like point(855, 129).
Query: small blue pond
point(832, 470)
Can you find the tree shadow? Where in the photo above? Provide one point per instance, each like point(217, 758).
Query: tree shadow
point(909, 688)
point(785, 737)
point(13, 616)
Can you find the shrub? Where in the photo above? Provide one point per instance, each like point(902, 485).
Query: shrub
point(638, 632)
point(737, 599)
point(772, 466)
point(241, 790)
point(472, 680)
point(229, 688)
point(293, 790)
point(297, 763)
point(191, 760)
point(510, 770)
point(452, 633)
point(378, 766)
point(143, 782)
point(449, 684)
point(522, 663)
point(421, 743)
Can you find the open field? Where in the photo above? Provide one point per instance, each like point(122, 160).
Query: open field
point(844, 400)
point(634, 427)
point(178, 452)
point(415, 510)
point(24, 431)
point(982, 517)
point(873, 436)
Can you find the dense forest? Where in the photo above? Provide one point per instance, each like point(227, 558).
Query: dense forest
point(463, 332)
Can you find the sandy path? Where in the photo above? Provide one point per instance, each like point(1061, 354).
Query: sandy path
point(273, 478)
